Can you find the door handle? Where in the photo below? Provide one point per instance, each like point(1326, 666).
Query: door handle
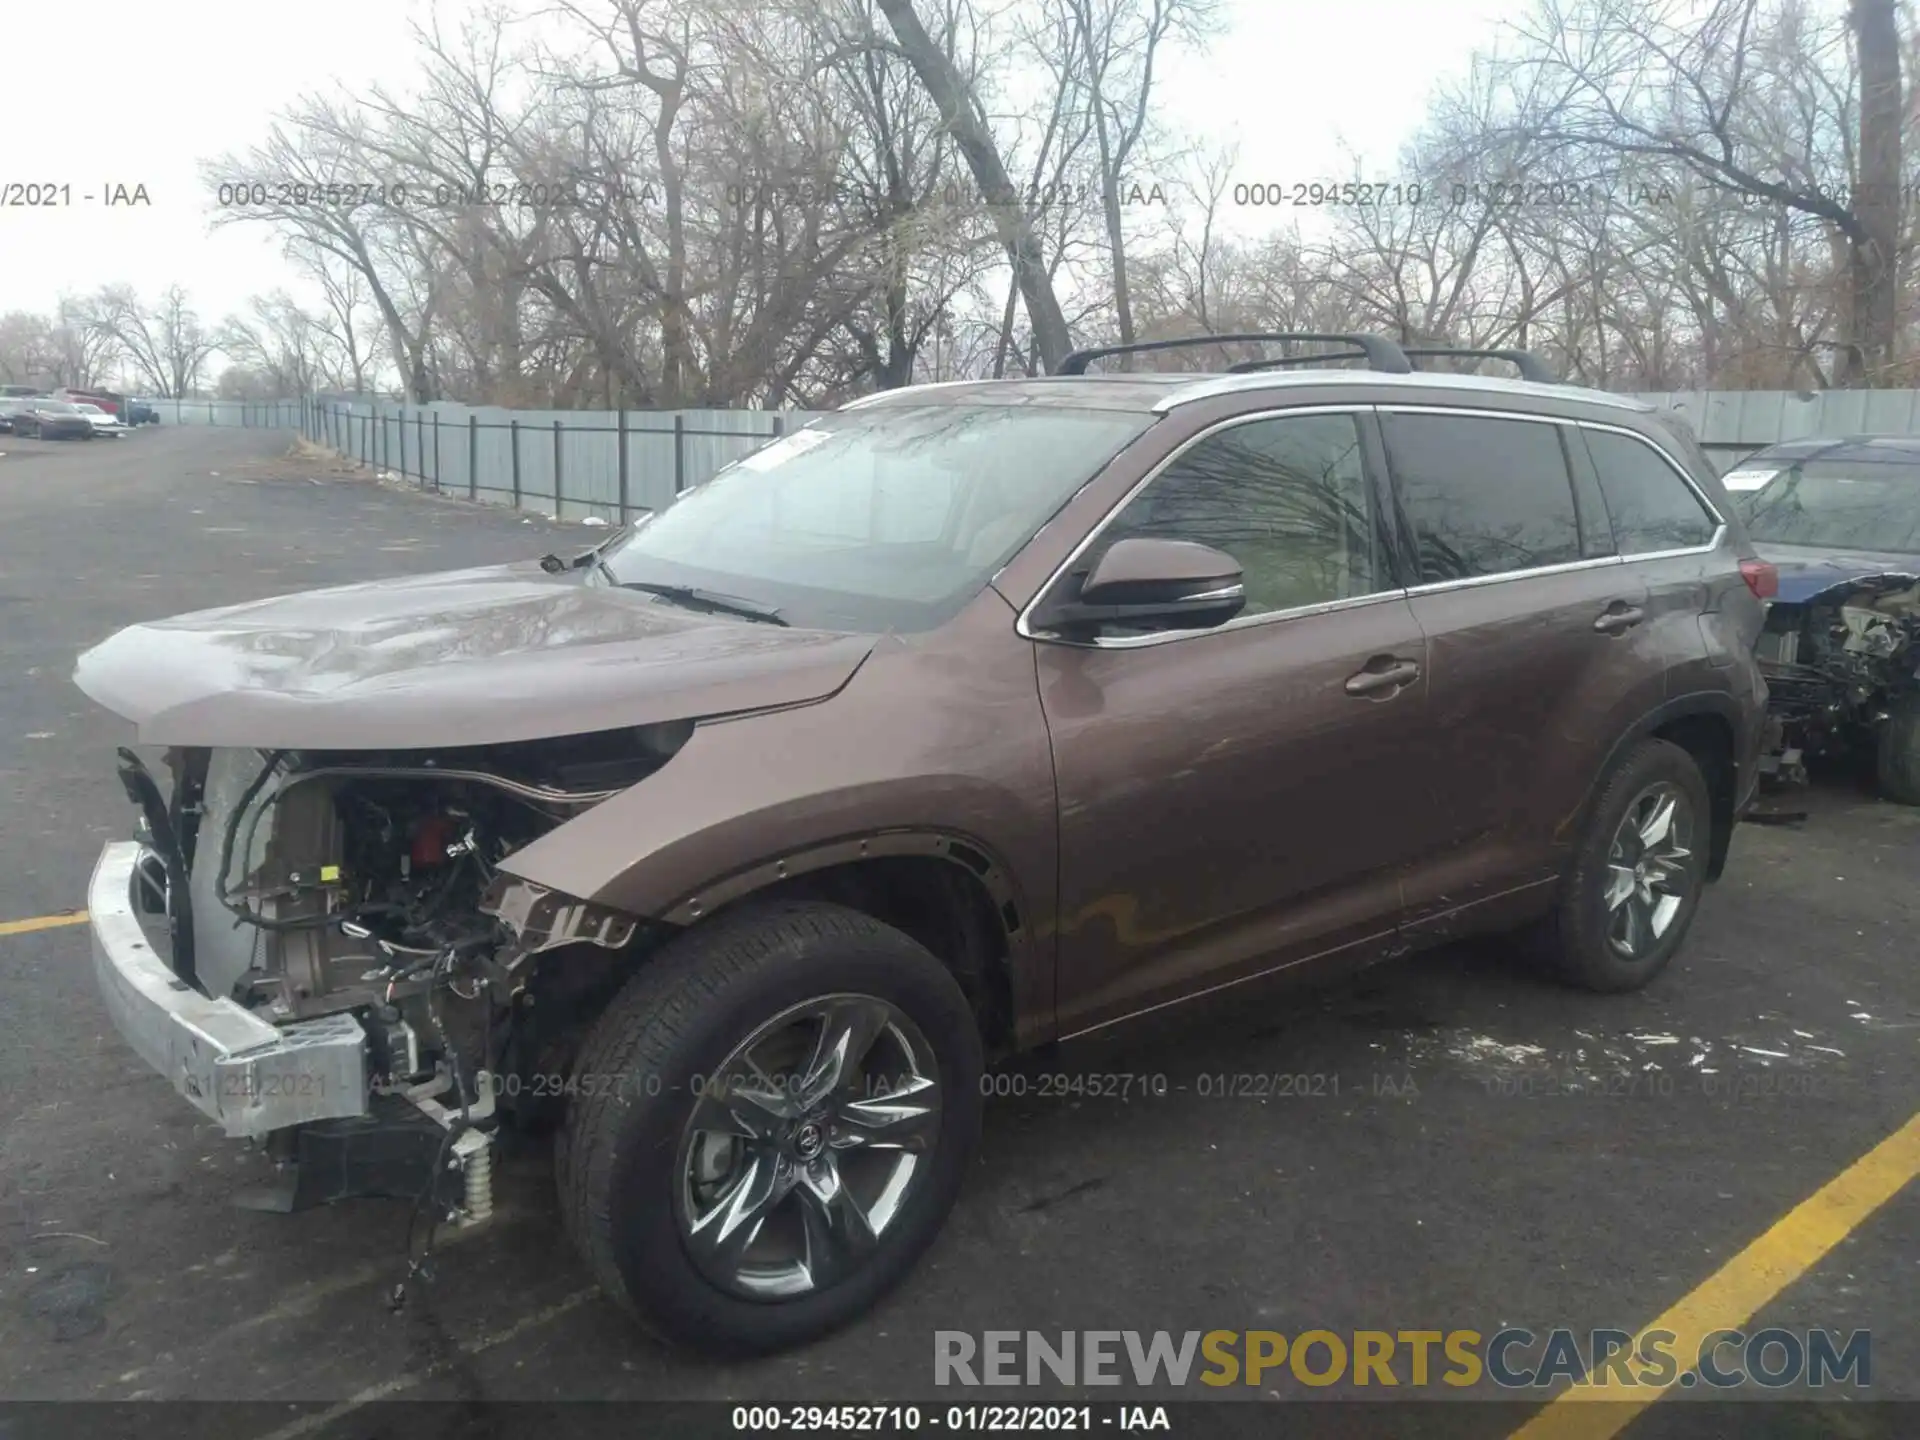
point(1618, 618)
point(1384, 674)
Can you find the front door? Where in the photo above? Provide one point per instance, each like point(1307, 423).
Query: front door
point(1242, 798)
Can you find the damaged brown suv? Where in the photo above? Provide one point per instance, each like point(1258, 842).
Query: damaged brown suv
point(968, 720)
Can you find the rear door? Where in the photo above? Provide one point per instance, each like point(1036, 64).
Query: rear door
point(1538, 649)
point(1700, 611)
point(1243, 798)
point(1671, 537)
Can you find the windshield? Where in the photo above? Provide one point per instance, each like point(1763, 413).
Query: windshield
point(875, 520)
point(55, 407)
point(1838, 504)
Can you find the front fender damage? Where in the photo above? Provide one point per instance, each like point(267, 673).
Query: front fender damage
point(542, 919)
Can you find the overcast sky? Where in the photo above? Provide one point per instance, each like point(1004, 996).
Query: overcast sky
point(119, 93)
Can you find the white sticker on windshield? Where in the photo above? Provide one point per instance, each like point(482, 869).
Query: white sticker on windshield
point(784, 449)
point(1747, 479)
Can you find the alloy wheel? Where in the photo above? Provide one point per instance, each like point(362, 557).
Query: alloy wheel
point(1649, 869)
point(805, 1145)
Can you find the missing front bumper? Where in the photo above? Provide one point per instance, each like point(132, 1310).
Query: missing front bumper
point(235, 1068)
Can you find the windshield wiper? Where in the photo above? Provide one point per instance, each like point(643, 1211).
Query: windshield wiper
point(556, 565)
point(696, 598)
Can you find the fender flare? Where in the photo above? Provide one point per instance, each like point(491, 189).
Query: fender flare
point(1717, 703)
point(969, 854)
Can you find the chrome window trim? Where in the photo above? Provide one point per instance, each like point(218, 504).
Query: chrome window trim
point(1534, 572)
point(1239, 622)
point(1023, 628)
point(1713, 542)
point(1402, 407)
point(1719, 539)
point(1437, 382)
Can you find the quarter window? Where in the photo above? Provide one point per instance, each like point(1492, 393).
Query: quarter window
point(1652, 507)
point(1285, 497)
point(1484, 496)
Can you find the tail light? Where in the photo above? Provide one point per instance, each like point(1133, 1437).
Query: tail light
point(1762, 579)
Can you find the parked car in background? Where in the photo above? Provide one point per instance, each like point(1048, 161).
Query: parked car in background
point(44, 418)
point(1840, 520)
point(105, 426)
point(110, 402)
point(141, 413)
point(12, 398)
point(968, 719)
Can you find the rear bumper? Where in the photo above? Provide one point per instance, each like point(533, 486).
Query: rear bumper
point(252, 1077)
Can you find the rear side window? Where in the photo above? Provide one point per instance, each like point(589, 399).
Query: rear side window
point(1484, 496)
point(1651, 506)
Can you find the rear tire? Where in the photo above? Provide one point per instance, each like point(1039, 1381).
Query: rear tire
point(1897, 762)
point(1591, 939)
point(642, 1190)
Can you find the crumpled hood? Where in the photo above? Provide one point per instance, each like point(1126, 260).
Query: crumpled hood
point(1805, 572)
point(467, 657)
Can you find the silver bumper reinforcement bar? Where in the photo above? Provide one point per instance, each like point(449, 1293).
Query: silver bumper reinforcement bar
point(236, 1068)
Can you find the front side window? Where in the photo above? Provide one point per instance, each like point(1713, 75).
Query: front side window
point(1651, 506)
point(1286, 497)
point(889, 518)
point(1839, 505)
point(1484, 496)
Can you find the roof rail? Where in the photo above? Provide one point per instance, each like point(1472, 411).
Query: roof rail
point(1380, 354)
point(1530, 366)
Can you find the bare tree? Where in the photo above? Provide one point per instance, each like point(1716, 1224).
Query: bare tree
point(793, 201)
point(1119, 44)
point(974, 137)
point(165, 343)
point(362, 222)
point(1646, 81)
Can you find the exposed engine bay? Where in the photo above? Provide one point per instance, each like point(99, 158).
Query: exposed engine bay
point(303, 885)
point(1835, 663)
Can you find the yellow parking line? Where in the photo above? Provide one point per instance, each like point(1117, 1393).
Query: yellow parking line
point(1734, 1293)
point(42, 922)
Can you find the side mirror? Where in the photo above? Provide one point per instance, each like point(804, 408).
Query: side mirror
point(1177, 583)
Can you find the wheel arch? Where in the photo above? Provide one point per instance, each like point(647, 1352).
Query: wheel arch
point(948, 890)
point(1707, 725)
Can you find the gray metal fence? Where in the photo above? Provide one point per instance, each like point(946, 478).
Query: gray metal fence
point(570, 464)
point(271, 414)
point(1732, 424)
point(614, 464)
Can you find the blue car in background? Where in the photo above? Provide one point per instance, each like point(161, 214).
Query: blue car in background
point(1840, 519)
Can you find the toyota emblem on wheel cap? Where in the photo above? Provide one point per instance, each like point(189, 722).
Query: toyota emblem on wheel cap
point(807, 1141)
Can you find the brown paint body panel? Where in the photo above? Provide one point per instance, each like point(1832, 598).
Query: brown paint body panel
point(1207, 840)
point(469, 657)
point(937, 733)
point(1526, 700)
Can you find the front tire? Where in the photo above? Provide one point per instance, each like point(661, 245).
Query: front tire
point(1637, 877)
point(1897, 758)
point(774, 1120)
